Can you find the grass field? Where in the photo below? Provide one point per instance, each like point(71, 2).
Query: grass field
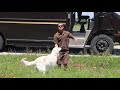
point(79, 67)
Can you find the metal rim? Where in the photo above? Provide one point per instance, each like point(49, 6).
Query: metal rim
point(102, 45)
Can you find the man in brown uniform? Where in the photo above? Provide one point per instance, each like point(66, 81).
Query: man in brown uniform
point(61, 39)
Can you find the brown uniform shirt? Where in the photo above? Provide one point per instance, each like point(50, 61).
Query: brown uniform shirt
point(63, 39)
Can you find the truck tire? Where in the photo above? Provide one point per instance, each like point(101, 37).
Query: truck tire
point(1, 43)
point(102, 44)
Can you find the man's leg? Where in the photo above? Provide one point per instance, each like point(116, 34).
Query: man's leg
point(66, 59)
point(59, 60)
point(65, 67)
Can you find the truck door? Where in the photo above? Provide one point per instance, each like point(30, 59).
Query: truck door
point(78, 26)
point(70, 20)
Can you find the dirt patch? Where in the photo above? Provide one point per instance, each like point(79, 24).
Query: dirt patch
point(78, 66)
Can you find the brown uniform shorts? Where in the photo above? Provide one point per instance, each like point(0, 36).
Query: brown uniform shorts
point(63, 57)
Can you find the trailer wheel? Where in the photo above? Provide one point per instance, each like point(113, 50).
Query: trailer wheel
point(102, 44)
point(1, 43)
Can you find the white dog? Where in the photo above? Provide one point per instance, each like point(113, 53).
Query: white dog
point(44, 63)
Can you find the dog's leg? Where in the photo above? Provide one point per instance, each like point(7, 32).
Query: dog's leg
point(41, 67)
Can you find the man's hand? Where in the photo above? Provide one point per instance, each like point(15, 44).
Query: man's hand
point(75, 39)
point(56, 45)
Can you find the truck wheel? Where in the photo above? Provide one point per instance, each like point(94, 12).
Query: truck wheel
point(1, 43)
point(102, 44)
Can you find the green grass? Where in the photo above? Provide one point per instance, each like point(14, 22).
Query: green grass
point(79, 67)
point(78, 26)
point(117, 44)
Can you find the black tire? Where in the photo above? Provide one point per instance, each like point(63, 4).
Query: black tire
point(102, 44)
point(1, 43)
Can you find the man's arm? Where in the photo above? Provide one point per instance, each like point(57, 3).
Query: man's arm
point(55, 41)
point(73, 37)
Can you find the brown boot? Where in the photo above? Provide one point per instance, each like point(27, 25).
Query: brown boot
point(65, 67)
point(59, 66)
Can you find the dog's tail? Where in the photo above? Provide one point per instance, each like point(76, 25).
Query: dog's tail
point(27, 63)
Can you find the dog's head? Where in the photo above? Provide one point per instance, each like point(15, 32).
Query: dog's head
point(56, 50)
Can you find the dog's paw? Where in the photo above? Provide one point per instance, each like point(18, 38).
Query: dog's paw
point(44, 73)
